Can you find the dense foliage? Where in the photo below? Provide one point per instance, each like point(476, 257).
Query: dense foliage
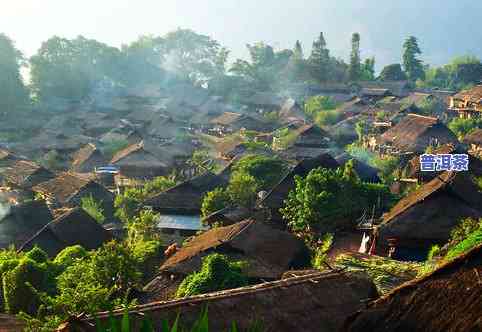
point(93, 208)
point(326, 199)
point(462, 127)
point(217, 273)
point(266, 170)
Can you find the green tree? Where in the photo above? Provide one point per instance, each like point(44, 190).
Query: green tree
point(143, 227)
point(316, 104)
point(214, 201)
point(320, 59)
point(266, 170)
point(368, 69)
point(243, 189)
point(64, 68)
point(13, 93)
point(217, 273)
point(355, 59)
point(361, 129)
point(462, 127)
point(128, 204)
point(157, 185)
point(194, 57)
point(326, 197)
point(93, 208)
point(393, 72)
point(412, 65)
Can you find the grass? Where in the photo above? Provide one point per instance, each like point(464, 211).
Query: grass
point(386, 273)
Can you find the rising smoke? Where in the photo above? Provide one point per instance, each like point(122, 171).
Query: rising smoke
point(4, 207)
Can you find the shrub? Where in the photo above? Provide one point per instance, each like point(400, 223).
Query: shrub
point(214, 201)
point(319, 103)
point(21, 286)
point(157, 185)
point(462, 127)
point(38, 255)
point(328, 118)
point(68, 256)
point(93, 208)
point(243, 189)
point(266, 170)
point(217, 273)
point(464, 229)
point(465, 245)
point(320, 253)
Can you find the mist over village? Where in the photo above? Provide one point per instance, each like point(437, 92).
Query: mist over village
point(172, 183)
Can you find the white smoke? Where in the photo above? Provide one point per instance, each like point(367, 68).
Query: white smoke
point(4, 208)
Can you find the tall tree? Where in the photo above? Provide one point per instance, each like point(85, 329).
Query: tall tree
point(320, 59)
point(68, 69)
point(368, 69)
point(194, 57)
point(298, 51)
point(392, 72)
point(412, 65)
point(355, 60)
point(12, 90)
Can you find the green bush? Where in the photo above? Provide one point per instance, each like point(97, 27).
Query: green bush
point(328, 118)
point(38, 255)
point(243, 189)
point(214, 201)
point(266, 170)
point(217, 273)
point(462, 127)
point(319, 103)
point(21, 286)
point(325, 197)
point(69, 256)
point(93, 208)
point(465, 245)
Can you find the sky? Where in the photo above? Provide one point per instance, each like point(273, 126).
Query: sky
point(445, 28)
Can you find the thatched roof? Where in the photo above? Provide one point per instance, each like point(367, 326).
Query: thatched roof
point(65, 186)
point(291, 111)
point(412, 170)
point(228, 216)
point(268, 252)
point(416, 98)
point(26, 174)
point(265, 99)
point(475, 137)
point(136, 155)
point(427, 215)
point(75, 227)
point(278, 194)
point(397, 88)
point(87, 158)
point(448, 299)
point(11, 323)
point(22, 222)
point(473, 95)
point(227, 118)
point(187, 196)
point(374, 92)
point(415, 132)
point(7, 158)
point(315, 302)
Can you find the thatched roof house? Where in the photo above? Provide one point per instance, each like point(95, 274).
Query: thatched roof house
point(287, 305)
point(415, 133)
point(448, 299)
point(467, 103)
point(232, 122)
point(87, 159)
point(67, 190)
point(413, 171)
point(426, 216)
point(269, 252)
point(186, 198)
point(396, 88)
point(276, 197)
point(474, 141)
point(26, 174)
point(291, 112)
point(136, 162)
point(7, 158)
point(22, 221)
point(75, 227)
point(228, 216)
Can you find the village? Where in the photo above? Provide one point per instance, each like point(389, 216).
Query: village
point(286, 193)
